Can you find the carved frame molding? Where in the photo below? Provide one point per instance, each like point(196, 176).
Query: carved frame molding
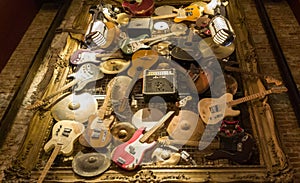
point(274, 165)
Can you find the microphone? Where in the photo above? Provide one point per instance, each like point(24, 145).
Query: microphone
point(221, 30)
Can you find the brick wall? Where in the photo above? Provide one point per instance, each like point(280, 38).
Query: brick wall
point(287, 30)
point(13, 74)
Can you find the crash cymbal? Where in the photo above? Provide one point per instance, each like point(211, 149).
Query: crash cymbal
point(90, 164)
point(210, 48)
point(146, 117)
point(114, 66)
point(75, 107)
point(187, 125)
point(164, 10)
point(122, 131)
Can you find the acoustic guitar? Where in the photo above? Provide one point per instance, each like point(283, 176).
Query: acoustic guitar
point(139, 7)
point(201, 77)
point(129, 155)
point(64, 134)
point(213, 110)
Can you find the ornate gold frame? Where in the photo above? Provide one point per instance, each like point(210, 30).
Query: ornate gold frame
point(274, 165)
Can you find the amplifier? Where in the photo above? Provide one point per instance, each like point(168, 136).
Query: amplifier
point(139, 26)
point(160, 82)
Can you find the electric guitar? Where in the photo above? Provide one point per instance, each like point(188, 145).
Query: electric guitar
point(131, 45)
point(190, 13)
point(85, 74)
point(129, 155)
point(82, 56)
point(213, 110)
point(64, 134)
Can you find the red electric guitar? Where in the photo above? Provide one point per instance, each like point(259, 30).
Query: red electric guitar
point(130, 154)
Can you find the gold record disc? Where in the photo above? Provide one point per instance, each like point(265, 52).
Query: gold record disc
point(122, 131)
point(114, 66)
point(186, 126)
point(75, 107)
point(179, 27)
point(209, 48)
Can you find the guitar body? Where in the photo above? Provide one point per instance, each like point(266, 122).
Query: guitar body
point(144, 8)
point(64, 133)
point(85, 74)
point(129, 155)
point(82, 56)
point(190, 13)
point(213, 110)
point(97, 133)
point(131, 45)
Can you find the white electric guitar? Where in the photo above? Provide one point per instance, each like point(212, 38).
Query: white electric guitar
point(64, 133)
point(213, 110)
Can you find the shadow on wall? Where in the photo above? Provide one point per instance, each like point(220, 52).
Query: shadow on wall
point(15, 18)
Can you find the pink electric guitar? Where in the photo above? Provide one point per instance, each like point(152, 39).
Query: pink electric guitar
point(130, 154)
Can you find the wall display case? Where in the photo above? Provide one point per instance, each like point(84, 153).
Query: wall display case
point(151, 91)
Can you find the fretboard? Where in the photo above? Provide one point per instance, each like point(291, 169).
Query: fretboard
point(157, 126)
point(248, 98)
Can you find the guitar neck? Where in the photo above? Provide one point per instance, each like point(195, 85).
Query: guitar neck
point(164, 16)
point(158, 37)
point(234, 69)
point(248, 98)
point(157, 126)
point(49, 163)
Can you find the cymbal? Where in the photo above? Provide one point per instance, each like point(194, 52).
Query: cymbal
point(114, 66)
point(187, 125)
point(122, 131)
point(147, 117)
point(209, 48)
point(90, 164)
point(164, 10)
point(75, 107)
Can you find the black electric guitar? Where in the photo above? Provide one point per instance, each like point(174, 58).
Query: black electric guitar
point(187, 47)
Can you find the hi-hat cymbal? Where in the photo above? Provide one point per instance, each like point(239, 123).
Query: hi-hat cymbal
point(122, 131)
point(179, 27)
point(90, 164)
point(164, 10)
point(75, 107)
point(209, 48)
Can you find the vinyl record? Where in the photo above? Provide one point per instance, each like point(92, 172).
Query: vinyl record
point(160, 26)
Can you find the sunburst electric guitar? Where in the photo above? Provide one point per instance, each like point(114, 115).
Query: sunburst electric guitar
point(213, 110)
point(129, 155)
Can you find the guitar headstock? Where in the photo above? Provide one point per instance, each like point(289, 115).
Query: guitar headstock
point(279, 89)
point(270, 79)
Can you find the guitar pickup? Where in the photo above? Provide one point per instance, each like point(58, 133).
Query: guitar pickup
point(121, 160)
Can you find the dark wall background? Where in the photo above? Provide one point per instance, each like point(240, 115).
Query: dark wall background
point(15, 17)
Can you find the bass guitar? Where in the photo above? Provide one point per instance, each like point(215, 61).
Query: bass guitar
point(131, 45)
point(64, 134)
point(129, 155)
point(213, 110)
